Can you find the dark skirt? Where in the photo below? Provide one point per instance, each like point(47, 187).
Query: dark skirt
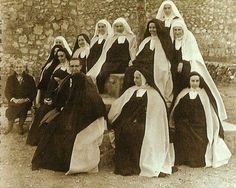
point(129, 132)
point(190, 140)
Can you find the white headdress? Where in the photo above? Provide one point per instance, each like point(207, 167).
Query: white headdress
point(191, 53)
point(174, 13)
point(127, 29)
point(66, 45)
point(108, 28)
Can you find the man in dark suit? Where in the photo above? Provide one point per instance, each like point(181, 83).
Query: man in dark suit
point(20, 92)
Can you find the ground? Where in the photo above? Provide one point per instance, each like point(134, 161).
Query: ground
point(15, 167)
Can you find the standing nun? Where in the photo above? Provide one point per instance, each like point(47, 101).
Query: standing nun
point(188, 58)
point(168, 12)
point(139, 119)
point(118, 53)
point(81, 50)
point(198, 138)
point(156, 53)
point(102, 32)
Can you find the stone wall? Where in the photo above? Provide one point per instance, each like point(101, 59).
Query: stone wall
point(29, 26)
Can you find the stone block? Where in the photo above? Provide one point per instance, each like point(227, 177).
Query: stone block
point(114, 84)
point(230, 136)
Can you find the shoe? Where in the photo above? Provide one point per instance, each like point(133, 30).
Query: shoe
point(9, 128)
point(162, 175)
point(174, 169)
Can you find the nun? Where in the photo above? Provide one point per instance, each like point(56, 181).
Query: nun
point(71, 139)
point(49, 67)
point(117, 54)
point(59, 73)
point(156, 53)
point(81, 50)
point(198, 137)
point(167, 12)
point(139, 120)
point(102, 32)
point(188, 58)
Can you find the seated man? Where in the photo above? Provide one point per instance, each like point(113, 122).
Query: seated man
point(20, 92)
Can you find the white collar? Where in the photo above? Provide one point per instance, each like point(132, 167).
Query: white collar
point(140, 92)
point(193, 93)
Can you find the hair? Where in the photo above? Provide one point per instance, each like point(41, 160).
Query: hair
point(76, 46)
point(159, 27)
point(164, 37)
point(64, 50)
point(52, 53)
point(194, 73)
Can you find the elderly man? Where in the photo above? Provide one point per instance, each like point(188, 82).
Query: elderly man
point(20, 92)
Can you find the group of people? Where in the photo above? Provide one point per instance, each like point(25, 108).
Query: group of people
point(170, 112)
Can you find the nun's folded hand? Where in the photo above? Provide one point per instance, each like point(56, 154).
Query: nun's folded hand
point(180, 67)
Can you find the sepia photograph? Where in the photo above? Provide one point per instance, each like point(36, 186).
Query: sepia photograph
point(118, 93)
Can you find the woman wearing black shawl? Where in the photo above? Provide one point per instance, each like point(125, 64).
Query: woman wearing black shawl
point(81, 51)
point(198, 138)
point(59, 73)
point(139, 119)
point(155, 53)
point(71, 140)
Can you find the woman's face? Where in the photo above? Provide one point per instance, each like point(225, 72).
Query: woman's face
point(137, 79)
point(119, 27)
point(178, 32)
point(167, 9)
point(194, 81)
point(81, 41)
point(101, 29)
point(61, 56)
point(152, 29)
point(59, 42)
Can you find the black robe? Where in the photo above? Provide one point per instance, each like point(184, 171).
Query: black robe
point(46, 76)
point(95, 53)
point(117, 60)
point(15, 89)
point(145, 60)
point(35, 132)
point(180, 80)
point(190, 139)
point(82, 105)
point(129, 132)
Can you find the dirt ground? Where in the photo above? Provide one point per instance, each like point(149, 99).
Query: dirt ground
point(15, 167)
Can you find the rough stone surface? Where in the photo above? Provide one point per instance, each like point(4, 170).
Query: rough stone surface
point(33, 25)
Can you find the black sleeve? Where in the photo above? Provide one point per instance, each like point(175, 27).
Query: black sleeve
point(9, 89)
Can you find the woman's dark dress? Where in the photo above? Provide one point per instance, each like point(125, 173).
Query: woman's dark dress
point(190, 139)
point(117, 60)
point(83, 62)
point(35, 132)
point(94, 54)
point(47, 73)
point(129, 132)
point(144, 59)
point(180, 80)
point(82, 106)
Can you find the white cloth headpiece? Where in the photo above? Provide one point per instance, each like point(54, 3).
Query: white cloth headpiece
point(108, 28)
point(66, 45)
point(127, 29)
point(191, 53)
point(174, 13)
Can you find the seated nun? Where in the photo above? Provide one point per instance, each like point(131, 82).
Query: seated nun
point(198, 136)
point(139, 120)
point(73, 130)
